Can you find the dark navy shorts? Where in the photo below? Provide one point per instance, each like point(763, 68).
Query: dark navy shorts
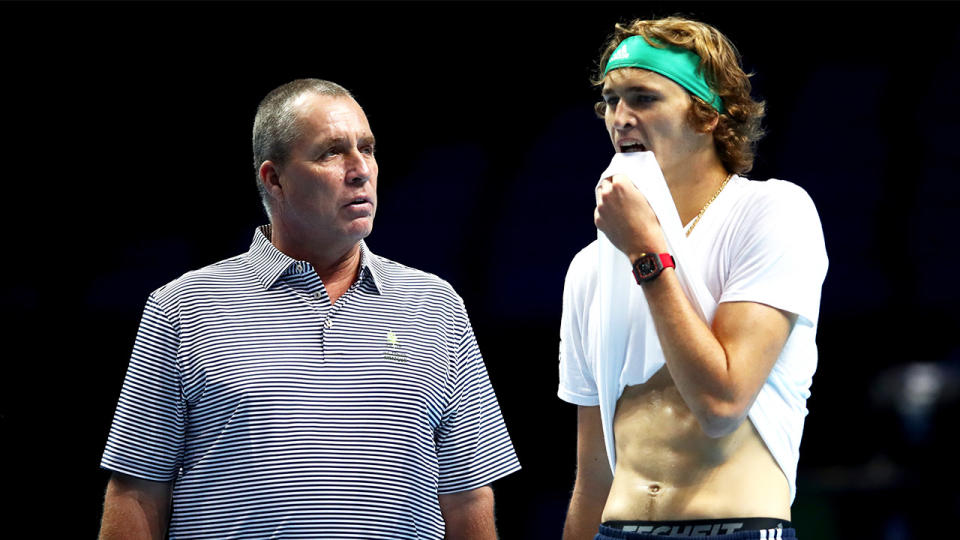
point(716, 529)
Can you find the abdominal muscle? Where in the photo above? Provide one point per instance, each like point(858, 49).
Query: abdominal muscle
point(669, 469)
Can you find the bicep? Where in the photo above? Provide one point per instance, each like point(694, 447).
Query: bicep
point(135, 506)
point(451, 502)
point(124, 485)
point(468, 514)
point(752, 336)
point(593, 477)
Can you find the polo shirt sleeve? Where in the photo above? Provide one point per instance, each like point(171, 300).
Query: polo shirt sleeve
point(780, 259)
point(147, 434)
point(473, 446)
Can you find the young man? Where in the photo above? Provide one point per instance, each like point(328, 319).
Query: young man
point(306, 388)
point(692, 376)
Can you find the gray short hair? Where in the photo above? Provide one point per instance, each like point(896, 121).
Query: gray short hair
point(275, 128)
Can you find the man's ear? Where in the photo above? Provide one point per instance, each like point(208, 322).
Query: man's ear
point(702, 118)
point(270, 179)
point(711, 125)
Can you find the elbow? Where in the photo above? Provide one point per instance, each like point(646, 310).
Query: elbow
point(720, 419)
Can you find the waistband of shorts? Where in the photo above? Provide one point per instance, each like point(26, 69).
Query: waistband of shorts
point(699, 527)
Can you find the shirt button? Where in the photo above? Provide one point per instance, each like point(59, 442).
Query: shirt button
point(299, 267)
point(318, 295)
point(328, 323)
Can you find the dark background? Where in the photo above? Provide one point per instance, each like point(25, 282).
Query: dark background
point(127, 162)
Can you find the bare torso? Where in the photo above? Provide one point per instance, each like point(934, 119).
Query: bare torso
point(669, 469)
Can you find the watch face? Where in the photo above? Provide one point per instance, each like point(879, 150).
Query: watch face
point(648, 266)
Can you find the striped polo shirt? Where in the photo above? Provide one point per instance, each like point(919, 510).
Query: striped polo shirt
point(279, 415)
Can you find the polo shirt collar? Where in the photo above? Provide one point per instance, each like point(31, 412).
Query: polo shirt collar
point(371, 267)
point(269, 263)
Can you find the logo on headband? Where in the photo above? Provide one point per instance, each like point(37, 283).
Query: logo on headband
point(620, 53)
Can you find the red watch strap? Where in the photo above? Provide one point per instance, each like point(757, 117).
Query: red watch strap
point(667, 260)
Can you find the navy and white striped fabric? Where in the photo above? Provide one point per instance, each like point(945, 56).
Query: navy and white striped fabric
point(280, 415)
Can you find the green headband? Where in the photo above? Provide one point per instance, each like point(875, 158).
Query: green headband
point(675, 63)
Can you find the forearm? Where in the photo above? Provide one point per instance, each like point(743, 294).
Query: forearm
point(697, 361)
point(584, 514)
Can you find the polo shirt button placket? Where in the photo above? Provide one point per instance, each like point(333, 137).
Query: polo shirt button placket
point(327, 325)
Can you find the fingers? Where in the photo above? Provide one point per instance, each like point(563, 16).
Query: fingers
point(603, 188)
point(603, 193)
point(611, 190)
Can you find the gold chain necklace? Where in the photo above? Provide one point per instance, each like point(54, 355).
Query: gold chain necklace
point(704, 209)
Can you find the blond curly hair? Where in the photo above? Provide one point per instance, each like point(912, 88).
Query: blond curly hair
point(738, 129)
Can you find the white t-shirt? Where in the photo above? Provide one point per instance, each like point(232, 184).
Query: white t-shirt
point(758, 242)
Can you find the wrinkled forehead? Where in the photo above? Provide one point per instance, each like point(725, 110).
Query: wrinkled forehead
point(321, 114)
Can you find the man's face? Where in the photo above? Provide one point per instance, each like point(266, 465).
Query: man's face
point(329, 181)
point(648, 112)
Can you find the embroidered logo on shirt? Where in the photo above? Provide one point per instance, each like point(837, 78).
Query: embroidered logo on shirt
point(394, 352)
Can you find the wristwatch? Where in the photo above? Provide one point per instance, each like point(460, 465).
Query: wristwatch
point(649, 265)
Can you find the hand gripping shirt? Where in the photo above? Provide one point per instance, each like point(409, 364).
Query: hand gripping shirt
point(279, 415)
point(758, 242)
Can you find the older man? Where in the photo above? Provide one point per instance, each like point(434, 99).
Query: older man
point(692, 375)
point(306, 388)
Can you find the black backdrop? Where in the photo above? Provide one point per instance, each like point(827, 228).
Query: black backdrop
point(127, 163)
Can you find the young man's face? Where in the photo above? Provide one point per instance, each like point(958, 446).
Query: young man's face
point(646, 111)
